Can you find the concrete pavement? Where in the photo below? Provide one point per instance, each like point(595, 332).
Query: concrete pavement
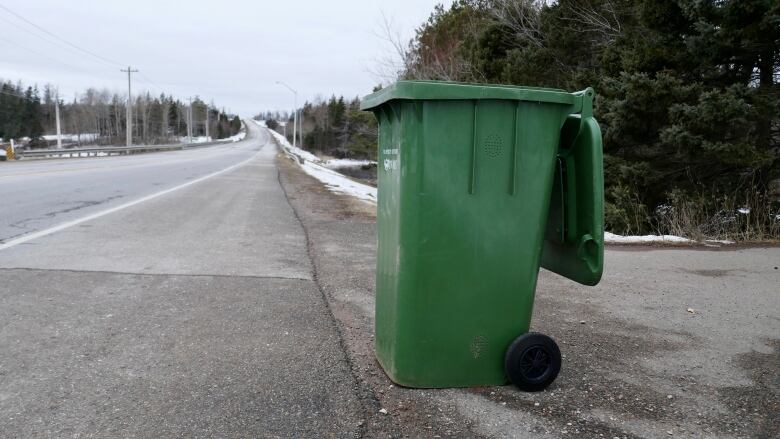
point(190, 315)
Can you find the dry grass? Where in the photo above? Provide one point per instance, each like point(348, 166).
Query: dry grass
point(747, 216)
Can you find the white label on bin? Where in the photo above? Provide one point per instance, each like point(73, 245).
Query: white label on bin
point(390, 163)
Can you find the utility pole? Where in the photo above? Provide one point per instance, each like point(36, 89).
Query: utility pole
point(164, 122)
point(129, 72)
point(295, 117)
point(300, 129)
point(208, 139)
point(57, 116)
point(189, 122)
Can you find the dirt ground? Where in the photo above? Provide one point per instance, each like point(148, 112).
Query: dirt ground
point(673, 342)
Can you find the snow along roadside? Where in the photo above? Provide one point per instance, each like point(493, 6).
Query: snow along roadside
point(611, 238)
point(338, 183)
point(203, 139)
point(335, 182)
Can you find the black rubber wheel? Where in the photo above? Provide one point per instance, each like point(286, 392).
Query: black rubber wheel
point(532, 362)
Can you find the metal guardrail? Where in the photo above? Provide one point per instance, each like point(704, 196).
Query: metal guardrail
point(287, 152)
point(101, 151)
point(110, 150)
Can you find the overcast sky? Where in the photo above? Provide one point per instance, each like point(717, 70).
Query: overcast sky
point(230, 51)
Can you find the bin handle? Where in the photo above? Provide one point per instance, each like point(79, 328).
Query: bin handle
point(585, 107)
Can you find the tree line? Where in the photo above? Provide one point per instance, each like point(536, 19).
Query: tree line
point(99, 116)
point(687, 96)
point(334, 127)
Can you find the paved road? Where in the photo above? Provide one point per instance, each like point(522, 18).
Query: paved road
point(38, 194)
point(190, 314)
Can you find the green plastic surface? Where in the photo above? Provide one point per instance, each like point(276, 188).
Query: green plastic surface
point(466, 177)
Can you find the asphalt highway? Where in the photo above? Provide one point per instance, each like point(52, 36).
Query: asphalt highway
point(134, 306)
point(38, 194)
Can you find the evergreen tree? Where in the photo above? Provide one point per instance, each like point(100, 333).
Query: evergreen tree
point(31, 116)
point(12, 102)
point(687, 90)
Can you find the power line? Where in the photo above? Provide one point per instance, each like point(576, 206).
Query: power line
point(153, 86)
point(145, 79)
point(148, 80)
point(43, 55)
point(81, 49)
point(42, 37)
point(13, 94)
point(61, 48)
point(59, 41)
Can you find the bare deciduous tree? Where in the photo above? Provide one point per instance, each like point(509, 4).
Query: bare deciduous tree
point(522, 17)
point(599, 20)
point(425, 57)
point(392, 66)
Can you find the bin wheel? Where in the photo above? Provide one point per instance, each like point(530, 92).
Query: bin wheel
point(532, 362)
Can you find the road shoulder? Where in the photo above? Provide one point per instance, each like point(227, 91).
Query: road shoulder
point(668, 345)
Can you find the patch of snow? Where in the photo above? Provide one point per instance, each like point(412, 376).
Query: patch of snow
point(611, 238)
point(238, 137)
point(305, 155)
point(334, 181)
point(346, 163)
point(719, 241)
point(195, 139)
point(84, 137)
point(339, 183)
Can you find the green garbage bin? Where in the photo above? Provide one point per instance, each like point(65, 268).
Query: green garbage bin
point(478, 186)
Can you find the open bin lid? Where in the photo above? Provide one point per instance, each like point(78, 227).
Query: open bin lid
point(441, 90)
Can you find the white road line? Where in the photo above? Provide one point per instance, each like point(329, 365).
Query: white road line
point(63, 226)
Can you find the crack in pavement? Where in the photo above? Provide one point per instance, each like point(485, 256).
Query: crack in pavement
point(82, 205)
point(12, 237)
point(130, 273)
point(22, 224)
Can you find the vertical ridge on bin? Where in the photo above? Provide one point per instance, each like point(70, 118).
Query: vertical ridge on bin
point(474, 133)
point(513, 165)
point(421, 150)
